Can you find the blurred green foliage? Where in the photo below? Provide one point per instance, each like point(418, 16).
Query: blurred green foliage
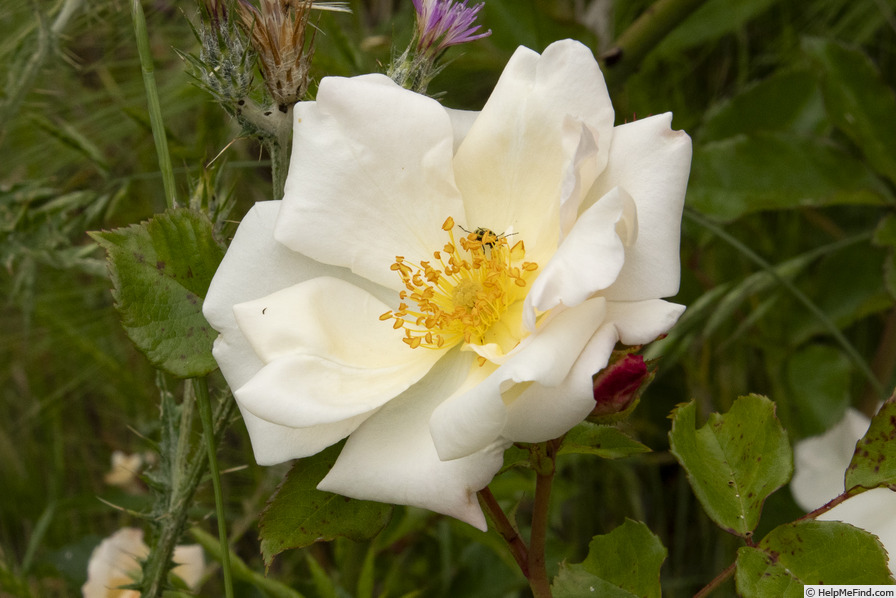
point(790, 104)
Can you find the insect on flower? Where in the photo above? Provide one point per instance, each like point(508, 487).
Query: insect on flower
point(486, 236)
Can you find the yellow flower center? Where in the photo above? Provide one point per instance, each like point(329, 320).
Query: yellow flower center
point(463, 292)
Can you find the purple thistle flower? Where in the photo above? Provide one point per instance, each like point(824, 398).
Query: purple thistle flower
point(445, 23)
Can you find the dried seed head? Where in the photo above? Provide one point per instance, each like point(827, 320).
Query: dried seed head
point(277, 30)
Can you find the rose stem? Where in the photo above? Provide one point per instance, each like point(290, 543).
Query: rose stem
point(542, 459)
point(505, 528)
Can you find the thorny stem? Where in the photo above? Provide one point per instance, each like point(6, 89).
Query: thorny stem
point(516, 544)
point(542, 459)
point(181, 472)
point(187, 473)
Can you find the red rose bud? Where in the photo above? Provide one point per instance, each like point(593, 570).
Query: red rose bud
point(616, 387)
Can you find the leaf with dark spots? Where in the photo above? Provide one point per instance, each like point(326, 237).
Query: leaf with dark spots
point(810, 552)
point(873, 463)
point(727, 473)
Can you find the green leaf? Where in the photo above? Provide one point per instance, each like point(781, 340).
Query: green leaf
point(628, 557)
point(515, 456)
point(760, 107)
point(735, 461)
point(810, 552)
point(858, 100)
point(161, 270)
point(604, 441)
point(874, 462)
point(766, 171)
point(711, 21)
point(818, 378)
point(573, 581)
point(626, 562)
point(299, 514)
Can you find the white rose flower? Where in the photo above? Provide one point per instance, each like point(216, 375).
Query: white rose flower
point(438, 284)
point(115, 563)
point(820, 464)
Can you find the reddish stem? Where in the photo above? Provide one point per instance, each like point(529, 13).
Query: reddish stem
point(717, 581)
point(502, 524)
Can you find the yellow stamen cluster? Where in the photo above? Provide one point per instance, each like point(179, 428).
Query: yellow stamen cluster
point(467, 288)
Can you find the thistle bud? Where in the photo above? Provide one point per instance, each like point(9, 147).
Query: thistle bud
point(440, 25)
point(445, 23)
point(224, 64)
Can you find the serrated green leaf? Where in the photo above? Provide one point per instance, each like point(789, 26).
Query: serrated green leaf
point(299, 514)
point(873, 463)
point(780, 171)
point(604, 441)
point(735, 461)
point(629, 557)
point(858, 101)
point(573, 581)
point(161, 270)
point(622, 564)
point(810, 552)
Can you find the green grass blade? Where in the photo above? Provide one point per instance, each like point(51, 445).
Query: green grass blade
point(153, 105)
